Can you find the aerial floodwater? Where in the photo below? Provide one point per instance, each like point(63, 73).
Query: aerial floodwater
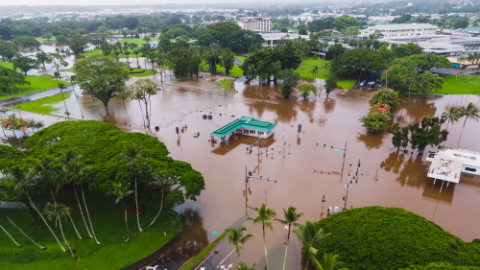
point(305, 169)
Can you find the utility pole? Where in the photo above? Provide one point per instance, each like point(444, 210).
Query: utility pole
point(337, 149)
point(249, 175)
point(349, 184)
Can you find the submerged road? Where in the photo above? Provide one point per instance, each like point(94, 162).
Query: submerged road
point(34, 96)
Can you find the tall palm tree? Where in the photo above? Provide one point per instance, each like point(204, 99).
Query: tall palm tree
point(329, 262)
point(45, 169)
point(291, 217)
point(13, 239)
point(451, 116)
point(161, 181)
point(243, 266)
point(264, 216)
point(310, 235)
point(22, 182)
point(73, 82)
point(235, 236)
point(59, 211)
point(5, 191)
point(74, 170)
point(470, 112)
point(134, 156)
point(123, 95)
point(122, 192)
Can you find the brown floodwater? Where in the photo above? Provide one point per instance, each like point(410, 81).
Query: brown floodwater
point(305, 171)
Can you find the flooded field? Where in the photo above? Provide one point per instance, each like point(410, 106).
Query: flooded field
point(305, 172)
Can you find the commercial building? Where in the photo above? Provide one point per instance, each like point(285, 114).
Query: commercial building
point(412, 32)
point(448, 164)
point(256, 24)
point(274, 39)
point(247, 126)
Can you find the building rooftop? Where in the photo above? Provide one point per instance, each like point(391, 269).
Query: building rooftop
point(243, 122)
point(449, 163)
point(402, 26)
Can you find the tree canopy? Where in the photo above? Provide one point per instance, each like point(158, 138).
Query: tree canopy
point(356, 61)
point(391, 238)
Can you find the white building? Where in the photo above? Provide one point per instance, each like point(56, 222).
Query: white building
point(401, 31)
point(274, 39)
point(256, 24)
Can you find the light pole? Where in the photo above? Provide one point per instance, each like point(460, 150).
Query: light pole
point(349, 184)
point(338, 149)
point(249, 175)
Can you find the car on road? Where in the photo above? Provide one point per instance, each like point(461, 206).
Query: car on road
point(196, 134)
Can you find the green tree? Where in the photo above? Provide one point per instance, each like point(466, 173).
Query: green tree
point(9, 79)
point(42, 58)
point(161, 181)
point(400, 135)
point(25, 42)
point(451, 116)
point(77, 44)
point(59, 211)
point(330, 261)
point(470, 112)
point(310, 235)
point(291, 217)
point(307, 88)
point(143, 90)
point(24, 63)
point(289, 79)
point(461, 60)
point(60, 38)
point(385, 96)
point(264, 216)
point(47, 36)
point(427, 81)
point(427, 132)
point(123, 95)
point(355, 62)
point(134, 156)
point(331, 84)
point(235, 237)
point(314, 72)
point(227, 59)
point(243, 266)
point(303, 32)
point(121, 192)
point(19, 177)
point(101, 77)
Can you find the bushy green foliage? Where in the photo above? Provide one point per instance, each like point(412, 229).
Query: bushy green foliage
point(101, 145)
point(375, 121)
point(386, 96)
point(391, 238)
point(440, 266)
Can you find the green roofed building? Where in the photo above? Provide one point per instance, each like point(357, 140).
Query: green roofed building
point(248, 126)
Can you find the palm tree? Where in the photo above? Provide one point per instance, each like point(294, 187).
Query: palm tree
point(314, 71)
point(235, 236)
point(122, 192)
point(291, 217)
point(123, 95)
point(460, 61)
point(24, 234)
point(243, 266)
point(74, 170)
point(22, 183)
point(264, 216)
point(329, 262)
point(59, 211)
point(134, 156)
point(161, 181)
point(451, 116)
point(73, 82)
point(44, 168)
point(310, 235)
point(470, 112)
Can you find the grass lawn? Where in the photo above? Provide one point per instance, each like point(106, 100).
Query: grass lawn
point(38, 83)
point(44, 40)
point(309, 63)
point(109, 225)
point(467, 85)
point(226, 85)
point(43, 105)
point(7, 65)
point(234, 72)
point(241, 58)
point(147, 73)
point(139, 41)
point(92, 52)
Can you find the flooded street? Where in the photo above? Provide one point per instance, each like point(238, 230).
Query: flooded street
point(305, 171)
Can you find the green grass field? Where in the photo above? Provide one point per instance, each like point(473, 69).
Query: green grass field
point(108, 222)
point(225, 85)
point(44, 40)
point(234, 72)
point(38, 83)
point(465, 85)
point(147, 73)
point(139, 41)
point(7, 65)
point(305, 71)
point(241, 58)
point(44, 105)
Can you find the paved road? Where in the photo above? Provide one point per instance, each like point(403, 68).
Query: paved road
point(33, 96)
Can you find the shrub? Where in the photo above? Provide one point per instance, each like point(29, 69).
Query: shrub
point(391, 238)
point(378, 117)
point(386, 96)
point(60, 38)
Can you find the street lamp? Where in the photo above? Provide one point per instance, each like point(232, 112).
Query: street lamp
point(349, 184)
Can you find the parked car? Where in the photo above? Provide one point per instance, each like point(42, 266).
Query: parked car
point(196, 134)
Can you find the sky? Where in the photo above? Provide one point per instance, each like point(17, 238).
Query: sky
point(117, 2)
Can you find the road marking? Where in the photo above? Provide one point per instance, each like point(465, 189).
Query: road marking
point(227, 256)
